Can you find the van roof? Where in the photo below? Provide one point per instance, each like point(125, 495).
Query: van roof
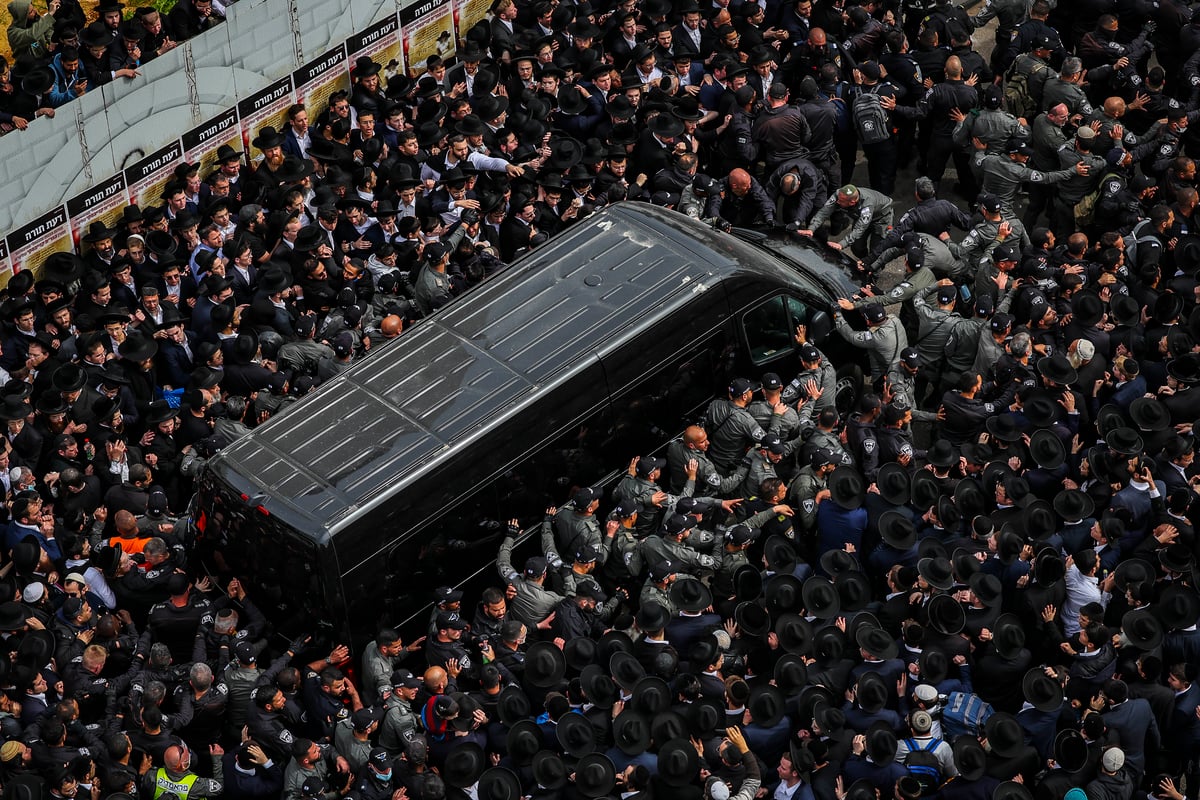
point(475, 361)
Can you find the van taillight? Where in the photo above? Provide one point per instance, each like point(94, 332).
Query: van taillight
point(262, 510)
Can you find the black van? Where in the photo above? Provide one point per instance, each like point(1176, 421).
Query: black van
point(396, 477)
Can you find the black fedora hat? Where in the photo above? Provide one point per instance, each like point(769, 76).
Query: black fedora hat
point(36, 649)
point(784, 594)
point(1149, 414)
point(752, 619)
point(1087, 309)
point(897, 530)
point(666, 125)
point(933, 665)
point(946, 615)
point(499, 783)
point(766, 705)
point(941, 454)
point(545, 665)
point(894, 483)
point(881, 744)
point(1008, 636)
point(599, 687)
point(835, 562)
point(549, 771)
point(791, 673)
point(651, 695)
point(1070, 750)
point(137, 348)
point(267, 138)
point(1125, 441)
point(595, 775)
point(1073, 504)
point(1039, 520)
point(1133, 570)
point(611, 642)
point(821, 599)
point(795, 634)
point(64, 267)
point(1047, 449)
point(1048, 567)
point(1058, 369)
point(626, 670)
point(780, 554)
point(1004, 734)
point(68, 378)
point(747, 582)
point(631, 732)
point(987, 588)
point(98, 231)
point(691, 596)
point(37, 81)
point(523, 740)
point(706, 716)
point(678, 763)
point(1004, 427)
point(969, 498)
point(1142, 629)
point(1011, 790)
point(1178, 606)
point(465, 762)
point(937, 572)
point(969, 757)
point(576, 735)
point(854, 590)
point(579, 651)
point(512, 705)
point(668, 725)
point(1041, 691)
point(925, 489)
point(847, 488)
point(871, 692)
point(12, 616)
point(830, 644)
point(877, 642)
point(1040, 409)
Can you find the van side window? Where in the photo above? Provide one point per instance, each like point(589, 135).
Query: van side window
point(770, 327)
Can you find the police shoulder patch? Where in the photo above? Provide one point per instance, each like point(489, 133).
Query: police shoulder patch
point(808, 506)
point(868, 445)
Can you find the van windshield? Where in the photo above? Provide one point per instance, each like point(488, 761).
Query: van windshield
point(824, 271)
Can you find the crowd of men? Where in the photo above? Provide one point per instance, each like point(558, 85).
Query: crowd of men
point(798, 600)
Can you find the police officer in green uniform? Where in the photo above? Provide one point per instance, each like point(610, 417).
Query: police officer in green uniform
point(576, 525)
point(670, 546)
point(657, 588)
point(824, 436)
point(807, 490)
point(732, 428)
point(401, 725)
point(693, 445)
point(640, 485)
point(432, 289)
point(175, 776)
point(624, 565)
point(883, 340)
point(815, 369)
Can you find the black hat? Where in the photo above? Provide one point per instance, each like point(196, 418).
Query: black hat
point(267, 138)
point(897, 530)
point(499, 783)
point(1058, 369)
point(1047, 449)
point(969, 498)
point(1041, 691)
point(969, 757)
point(599, 686)
point(847, 488)
point(946, 615)
point(576, 735)
point(1178, 607)
point(1142, 629)
point(1004, 734)
point(937, 572)
point(651, 695)
point(893, 482)
point(545, 665)
point(626, 670)
point(580, 651)
point(137, 348)
point(795, 634)
point(678, 762)
point(1008, 637)
point(631, 732)
point(766, 705)
point(595, 775)
point(524, 739)
point(1073, 504)
point(512, 705)
point(691, 596)
point(464, 763)
point(783, 593)
point(1149, 414)
point(747, 582)
point(821, 599)
point(1087, 309)
point(1125, 441)
point(925, 489)
point(97, 231)
point(877, 642)
point(652, 617)
point(1070, 750)
point(549, 771)
point(834, 562)
point(752, 619)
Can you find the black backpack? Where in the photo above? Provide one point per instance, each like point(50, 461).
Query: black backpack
point(870, 118)
point(923, 765)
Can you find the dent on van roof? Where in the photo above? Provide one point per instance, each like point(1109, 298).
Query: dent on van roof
point(361, 437)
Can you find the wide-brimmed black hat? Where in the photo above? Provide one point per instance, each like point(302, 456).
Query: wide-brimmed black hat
point(1047, 449)
point(706, 716)
point(267, 138)
point(499, 783)
point(1087, 308)
point(987, 588)
point(791, 673)
point(1149, 414)
point(36, 649)
point(847, 488)
point(595, 775)
point(579, 652)
point(576, 735)
point(941, 454)
point(1073, 504)
point(1011, 790)
point(599, 687)
point(897, 530)
point(626, 670)
point(1004, 734)
point(877, 642)
point(1125, 441)
point(690, 596)
point(1142, 629)
point(937, 572)
point(969, 757)
point(668, 725)
point(137, 348)
point(631, 732)
point(1004, 427)
point(678, 762)
point(68, 378)
point(465, 762)
point(545, 665)
point(1058, 369)
point(651, 695)
point(549, 771)
point(780, 554)
point(821, 598)
point(666, 125)
point(881, 744)
point(835, 561)
point(1133, 570)
point(523, 740)
point(925, 490)
point(784, 594)
point(969, 498)
point(1070, 750)
point(97, 231)
point(1178, 606)
point(946, 615)
point(37, 81)
point(752, 619)
point(512, 705)
point(766, 705)
point(854, 590)
point(1041, 691)
point(1039, 520)
point(1008, 636)
point(893, 482)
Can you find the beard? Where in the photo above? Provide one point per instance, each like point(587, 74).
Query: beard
point(274, 161)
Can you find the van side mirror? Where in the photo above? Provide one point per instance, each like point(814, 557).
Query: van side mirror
point(819, 326)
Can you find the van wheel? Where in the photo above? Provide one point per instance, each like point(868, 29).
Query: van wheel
point(847, 389)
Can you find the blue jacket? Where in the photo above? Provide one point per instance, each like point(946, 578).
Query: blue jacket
point(63, 90)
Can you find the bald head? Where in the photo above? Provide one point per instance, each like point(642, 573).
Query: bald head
point(435, 679)
point(1114, 107)
point(391, 326)
point(175, 758)
point(816, 37)
point(953, 68)
point(739, 182)
point(126, 523)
